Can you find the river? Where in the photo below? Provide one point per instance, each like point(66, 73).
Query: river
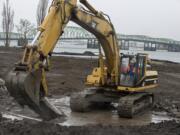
point(81, 47)
point(77, 46)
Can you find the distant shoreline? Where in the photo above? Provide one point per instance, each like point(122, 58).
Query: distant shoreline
point(86, 54)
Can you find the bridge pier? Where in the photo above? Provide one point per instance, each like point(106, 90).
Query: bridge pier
point(170, 48)
point(157, 46)
point(93, 43)
point(173, 48)
point(149, 46)
point(162, 47)
point(153, 47)
point(124, 45)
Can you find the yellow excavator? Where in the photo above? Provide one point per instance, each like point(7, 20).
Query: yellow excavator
point(119, 78)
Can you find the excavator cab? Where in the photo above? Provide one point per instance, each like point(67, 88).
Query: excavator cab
point(135, 73)
point(133, 69)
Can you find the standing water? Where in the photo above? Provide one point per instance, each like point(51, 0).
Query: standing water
point(105, 117)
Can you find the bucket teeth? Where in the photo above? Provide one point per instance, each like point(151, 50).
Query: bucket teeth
point(25, 88)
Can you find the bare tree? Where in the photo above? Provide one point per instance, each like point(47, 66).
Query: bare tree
point(25, 28)
point(41, 11)
point(7, 21)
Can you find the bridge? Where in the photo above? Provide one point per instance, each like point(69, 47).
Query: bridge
point(126, 42)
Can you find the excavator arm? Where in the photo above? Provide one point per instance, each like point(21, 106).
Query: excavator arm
point(27, 81)
point(104, 31)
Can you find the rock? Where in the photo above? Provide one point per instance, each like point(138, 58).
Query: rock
point(2, 82)
point(2, 85)
point(1, 117)
point(178, 115)
point(8, 109)
point(175, 114)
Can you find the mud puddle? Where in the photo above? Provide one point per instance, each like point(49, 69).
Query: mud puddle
point(104, 117)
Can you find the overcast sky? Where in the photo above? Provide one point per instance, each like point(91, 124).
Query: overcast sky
point(156, 18)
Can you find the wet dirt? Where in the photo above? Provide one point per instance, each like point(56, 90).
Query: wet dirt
point(68, 75)
point(28, 127)
point(105, 117)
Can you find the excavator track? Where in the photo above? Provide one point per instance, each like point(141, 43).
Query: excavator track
point(129, 105)
point(133, 104)
point(79, 102)
point(88, 100)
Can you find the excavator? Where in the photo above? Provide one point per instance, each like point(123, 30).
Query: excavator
point(119, 78)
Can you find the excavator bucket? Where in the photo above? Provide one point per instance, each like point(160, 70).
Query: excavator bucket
point(25, 88)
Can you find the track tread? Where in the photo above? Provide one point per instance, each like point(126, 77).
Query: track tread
point(126, 104)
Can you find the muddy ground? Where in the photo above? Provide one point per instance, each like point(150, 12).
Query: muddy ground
point(68, 75)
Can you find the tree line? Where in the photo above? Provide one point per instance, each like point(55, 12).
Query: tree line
point(24, 28)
